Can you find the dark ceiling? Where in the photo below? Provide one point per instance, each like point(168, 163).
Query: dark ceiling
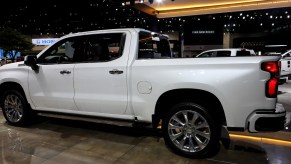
point(61, 17)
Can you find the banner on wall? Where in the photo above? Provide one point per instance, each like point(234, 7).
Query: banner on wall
point(44, 42)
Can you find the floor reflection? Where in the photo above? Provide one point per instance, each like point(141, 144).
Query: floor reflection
point(65, 141)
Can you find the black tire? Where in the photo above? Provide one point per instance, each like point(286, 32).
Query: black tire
point(15, 108)
point(198, 137)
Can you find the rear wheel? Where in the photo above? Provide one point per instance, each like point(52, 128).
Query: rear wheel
point(189, 130)
point(15, 108)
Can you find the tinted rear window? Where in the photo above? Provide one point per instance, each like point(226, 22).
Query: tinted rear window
point(243, 53)
point(223, 53)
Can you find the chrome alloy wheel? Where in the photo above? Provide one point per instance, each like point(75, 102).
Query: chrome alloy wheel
point(13, 108)
point(189, 131)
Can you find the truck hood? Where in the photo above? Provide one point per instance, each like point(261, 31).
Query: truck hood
point(11, 65)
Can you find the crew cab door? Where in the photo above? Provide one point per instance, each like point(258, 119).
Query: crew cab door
point(51, 86)
point(100, 78)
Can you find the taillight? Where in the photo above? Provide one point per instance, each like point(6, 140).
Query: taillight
point(271, 67)
point(272, 85)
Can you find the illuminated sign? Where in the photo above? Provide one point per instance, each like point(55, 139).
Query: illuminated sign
point(46, 41)
point(203, 32)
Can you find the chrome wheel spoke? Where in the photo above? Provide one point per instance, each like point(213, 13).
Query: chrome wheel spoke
point(10, 112)
point(203, 134)
point(203, 125)
point(195, 117)
point(198, 141)
point(182, 142)
point(175, 127)
point(11, 100)
point(175, 136)
point(15, 116)
point(9, 106)
point(175, 118)
point(191, 144)
point(19, 113)
point(185, 117)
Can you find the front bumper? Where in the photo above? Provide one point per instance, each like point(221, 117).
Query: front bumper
point(266, 120)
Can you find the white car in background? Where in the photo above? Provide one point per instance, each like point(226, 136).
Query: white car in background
point(227, 52)
point(285, 64)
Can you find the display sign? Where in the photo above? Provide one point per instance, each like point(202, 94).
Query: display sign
point(203, 32)
point(203, 35)
point(45, 41)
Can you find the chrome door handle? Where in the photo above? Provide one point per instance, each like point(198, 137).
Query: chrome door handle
point(116, 71)
point(65, 72)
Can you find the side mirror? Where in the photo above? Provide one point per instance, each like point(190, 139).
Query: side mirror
point(31, 60)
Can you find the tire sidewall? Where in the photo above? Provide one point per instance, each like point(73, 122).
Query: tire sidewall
point(213, 143)
point(25, 117)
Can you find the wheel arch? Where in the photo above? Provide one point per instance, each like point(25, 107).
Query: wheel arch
point(11, 85)
point(201, 97)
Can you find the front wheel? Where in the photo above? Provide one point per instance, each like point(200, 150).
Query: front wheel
point(189, 130)
point(15, 108)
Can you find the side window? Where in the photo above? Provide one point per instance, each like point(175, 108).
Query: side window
point(223, 53)
point(61, 52)
point(243, 53)
point(153, 49)
point(104, 47)
point(208, 54)
point(87, 48)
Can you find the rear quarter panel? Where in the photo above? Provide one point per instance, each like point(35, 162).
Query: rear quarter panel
point(238, 82)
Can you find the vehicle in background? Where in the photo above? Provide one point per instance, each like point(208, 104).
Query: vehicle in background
point(285, 64)
point(272, 54)
point(227, 52)
point(18, 59)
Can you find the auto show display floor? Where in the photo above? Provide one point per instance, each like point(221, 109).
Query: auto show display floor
point(75, 142)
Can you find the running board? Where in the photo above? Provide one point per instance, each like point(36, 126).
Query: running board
point(117, 122)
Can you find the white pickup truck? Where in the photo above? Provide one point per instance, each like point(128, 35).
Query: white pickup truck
point(128, 75)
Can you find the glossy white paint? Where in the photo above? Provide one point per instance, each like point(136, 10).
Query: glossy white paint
point(49, 89)
point(96, 90)
point(144, 87)
point(238, 83)
point(17, 73)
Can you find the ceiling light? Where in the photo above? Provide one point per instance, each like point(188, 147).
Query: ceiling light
point(159, 1)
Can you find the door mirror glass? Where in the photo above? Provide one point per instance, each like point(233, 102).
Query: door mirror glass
point(31, 60)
